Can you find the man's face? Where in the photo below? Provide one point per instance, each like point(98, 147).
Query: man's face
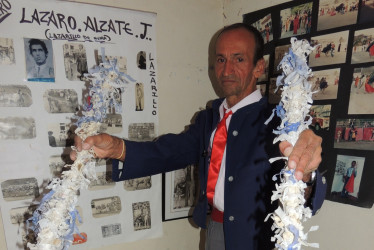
point(234, 67)
point(38, 54)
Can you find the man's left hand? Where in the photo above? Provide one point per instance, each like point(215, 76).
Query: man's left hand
point(305, 156)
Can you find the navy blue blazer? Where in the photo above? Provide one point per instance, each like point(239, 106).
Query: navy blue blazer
point(248, 184)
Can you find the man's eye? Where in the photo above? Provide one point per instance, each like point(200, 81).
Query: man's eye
point(240, 59)
point(220, 60)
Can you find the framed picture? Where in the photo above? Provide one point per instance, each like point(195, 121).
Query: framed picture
point(180, 192)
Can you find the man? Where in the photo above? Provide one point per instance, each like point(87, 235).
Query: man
point(348, 180)
point(39, 53)
point(241, 198)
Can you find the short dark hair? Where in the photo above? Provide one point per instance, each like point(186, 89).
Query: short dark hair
point(37, 42)
point(259, 40)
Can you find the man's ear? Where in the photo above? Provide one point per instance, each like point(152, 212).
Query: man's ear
point(260, 68)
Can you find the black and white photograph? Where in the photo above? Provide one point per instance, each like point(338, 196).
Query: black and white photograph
point(347, 178)
point(141, 212)
point(57, 164)
point(325, 84)
point(275, 93)
point(139, 96)
point(265, 26)
point(279, 53)
point(7, 56)
point(106, 206)
point(39, 60)
point(15, 96)
point(138, 183)
point(142, 131)
point(121, 60)
point(20, 215)
point(363, 49)
point(20, 189)
point(366, 11)
point(14, 128)
point(103, 181)
point(296, 20)
point(184, 187)
point(265, 75)
point(111, 230)
point(354, 134)
point(320, 117)
point(142, 60)
point(61, 134)
point(112, 124)
point(336, 13)
point(361, 99)
point(330, 49)
point(60, 101)
point(75, 61)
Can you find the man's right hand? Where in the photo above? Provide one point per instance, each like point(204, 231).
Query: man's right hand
point(103, 145)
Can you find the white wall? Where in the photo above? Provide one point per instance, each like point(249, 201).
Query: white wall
point(184, 31)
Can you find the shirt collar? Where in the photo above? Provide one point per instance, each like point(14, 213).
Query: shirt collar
point(249, 99)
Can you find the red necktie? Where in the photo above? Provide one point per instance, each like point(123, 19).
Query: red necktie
point(218, 148)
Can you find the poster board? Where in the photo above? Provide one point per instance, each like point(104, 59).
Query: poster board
point(342, 64)
point(42, 87)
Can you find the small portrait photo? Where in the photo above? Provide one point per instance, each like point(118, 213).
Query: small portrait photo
point(75, 61)
point(7, 56)
point(363, 49)
point(354, 134)
point(265, 75)
point(141, 212)
point(121, 60)
point(361, 99)
point(142, 60)
point(106, 206)
point(138, 183)
point(265, 26)
point(320, 115)
point(141, 131)
point(325, 84)
point(296, 20)
point(336, 13)
point(366, 11)
point(61, 134)
point(347, 178)
point(184, 187)
point(330, 49)
point(275, 92)
point(60, 101)
point(139, 97)
point(103, 180)
point(279, 53)
point(262, 88)
point(15, 96)
point(111, 230)
point(39, 60)
point(20, 189)
point(13, 128)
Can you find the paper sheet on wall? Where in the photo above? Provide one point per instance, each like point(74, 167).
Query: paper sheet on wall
point(45, 48)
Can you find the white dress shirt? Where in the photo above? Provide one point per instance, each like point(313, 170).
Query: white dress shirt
point(218, 199)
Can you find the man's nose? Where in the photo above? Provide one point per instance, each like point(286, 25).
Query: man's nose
point(228, 68)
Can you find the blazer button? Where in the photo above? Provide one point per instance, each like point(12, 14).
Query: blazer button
point(231, 179)
point(231, 218)
point(203, 192)
point(235, 133)
point(323, 180)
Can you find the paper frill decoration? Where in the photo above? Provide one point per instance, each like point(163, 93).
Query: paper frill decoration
point(293, 110)
point(54, 221)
